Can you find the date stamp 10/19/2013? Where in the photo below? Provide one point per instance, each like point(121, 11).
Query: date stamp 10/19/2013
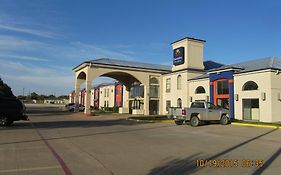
point(229, 163)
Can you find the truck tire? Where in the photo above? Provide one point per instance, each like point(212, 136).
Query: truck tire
point(194, 121)
point(178, 122)
point(4, 121)
point(224, 120)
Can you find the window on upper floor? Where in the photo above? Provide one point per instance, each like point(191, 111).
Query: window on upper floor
point(200, 90)
point(179, 82)
point(249, 86)
point(168, 85)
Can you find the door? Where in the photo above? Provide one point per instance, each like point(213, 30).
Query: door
point(213, 112)
point(153, 107)
point(251, 109)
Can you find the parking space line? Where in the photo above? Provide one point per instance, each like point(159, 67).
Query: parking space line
point(55, 154)
point(29, 169)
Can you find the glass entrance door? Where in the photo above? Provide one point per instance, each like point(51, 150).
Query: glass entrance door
point(223, 102)
point(251, 109)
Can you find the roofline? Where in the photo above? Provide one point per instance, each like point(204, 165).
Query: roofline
point(87, 63)
point(190, 38)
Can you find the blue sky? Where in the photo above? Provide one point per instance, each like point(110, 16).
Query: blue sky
point(41, 41)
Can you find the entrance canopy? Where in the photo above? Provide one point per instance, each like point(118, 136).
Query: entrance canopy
point(127, 72)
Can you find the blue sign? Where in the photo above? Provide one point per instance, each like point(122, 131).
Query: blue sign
point(178, 56)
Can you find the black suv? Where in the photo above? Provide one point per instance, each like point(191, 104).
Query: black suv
point(11, 109)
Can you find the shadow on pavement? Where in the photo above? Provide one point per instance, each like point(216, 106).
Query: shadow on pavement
point(188, 165)
point(82, 135)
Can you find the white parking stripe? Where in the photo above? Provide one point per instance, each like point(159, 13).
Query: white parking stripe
point(29, 169)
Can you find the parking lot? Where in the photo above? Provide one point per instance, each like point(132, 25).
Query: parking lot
point(59, 142)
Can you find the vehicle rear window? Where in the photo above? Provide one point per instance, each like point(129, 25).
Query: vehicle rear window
point(197, 105)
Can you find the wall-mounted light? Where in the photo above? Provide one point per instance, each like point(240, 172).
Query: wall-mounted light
point(207, 98)
point(263, 96)
point(236, 97)
point(279, 96)
point(190, 99)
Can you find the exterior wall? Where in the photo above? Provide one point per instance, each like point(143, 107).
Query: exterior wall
point(92, 96)
point(276, 96)
point(175, 93)
point(109, 97)
point(193, 84)
point(118, 95)
point(263, 80)
point(192, 49)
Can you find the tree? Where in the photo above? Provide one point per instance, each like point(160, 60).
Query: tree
point(34, 96)
point(5, 90)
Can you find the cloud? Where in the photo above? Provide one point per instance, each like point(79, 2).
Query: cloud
point(41, 79)
point(17, 43)
point(24, 58)
point(29, 31)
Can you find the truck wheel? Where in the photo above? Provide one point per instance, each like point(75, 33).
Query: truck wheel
point(179, 122)
point(4, 121)
point(194, 121)
point(224, 120)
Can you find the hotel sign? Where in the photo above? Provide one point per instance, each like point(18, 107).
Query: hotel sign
point(178, 56)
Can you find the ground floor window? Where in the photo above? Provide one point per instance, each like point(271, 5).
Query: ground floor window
point(251, 110)
point(168, 105)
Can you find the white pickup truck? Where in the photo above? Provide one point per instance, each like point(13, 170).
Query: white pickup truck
point(199, 111)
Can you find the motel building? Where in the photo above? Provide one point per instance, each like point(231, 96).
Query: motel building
point(251, 90)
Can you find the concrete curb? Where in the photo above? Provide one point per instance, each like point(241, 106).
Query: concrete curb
point(256, 125)
point(232, 123)
point(152, 121)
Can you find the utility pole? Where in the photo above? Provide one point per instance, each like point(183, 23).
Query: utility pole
point(23, 92)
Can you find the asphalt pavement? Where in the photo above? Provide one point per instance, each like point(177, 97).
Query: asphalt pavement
point(56, 142)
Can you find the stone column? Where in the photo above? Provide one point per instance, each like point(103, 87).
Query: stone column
point(76, 98)
point(146, 100)
point(88, 97)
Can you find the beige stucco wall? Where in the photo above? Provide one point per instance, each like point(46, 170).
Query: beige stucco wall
point(193, 84)
point(193, 53)
point(109, 97)
point(275, 91)
point(175, 93)
point(263, 80)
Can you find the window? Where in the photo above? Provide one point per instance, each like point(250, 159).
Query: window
point(168, 104)
point(200, 90)
point(179, 103)
point(168, 85)
point(154, 87)
point(137, 91)
point(179, 82)
point(211, 106)
point(222, 87)
point(249, 86)
point(197, 105)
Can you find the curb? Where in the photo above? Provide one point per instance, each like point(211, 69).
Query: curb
point(152, 121)
point(84, 115)
point(255, 125)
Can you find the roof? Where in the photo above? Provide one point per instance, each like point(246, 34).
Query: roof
point(254, 65)
point(211, 65)
point(130, 64)
point(190, 38)
point(248, 66)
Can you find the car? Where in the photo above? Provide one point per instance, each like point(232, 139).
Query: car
point(11, 109)
point(71, 107)
point(199, 111)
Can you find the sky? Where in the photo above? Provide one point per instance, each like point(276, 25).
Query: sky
point(41, 41)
